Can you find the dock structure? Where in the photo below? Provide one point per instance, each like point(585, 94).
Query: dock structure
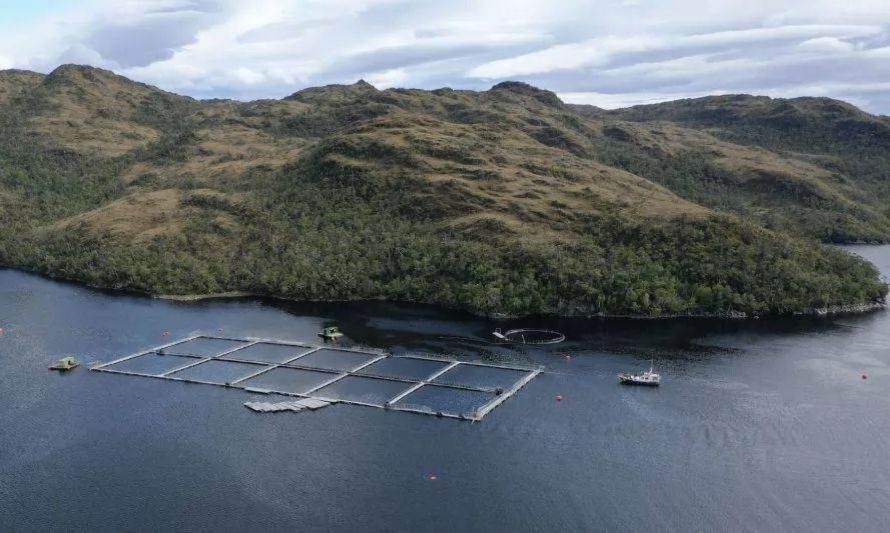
point(317, 376)
point(296, 405)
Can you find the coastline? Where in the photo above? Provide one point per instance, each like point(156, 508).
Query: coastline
point(199, 297)
point(847, 309)
point(851, 309)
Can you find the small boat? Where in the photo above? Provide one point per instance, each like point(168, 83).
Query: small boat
point(64, 364)
point(330, 333)
point(648, 377)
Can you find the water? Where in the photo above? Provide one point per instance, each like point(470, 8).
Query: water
point(759, 426)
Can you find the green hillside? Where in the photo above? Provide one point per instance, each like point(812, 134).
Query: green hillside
point(809, 166)
point(506, 201)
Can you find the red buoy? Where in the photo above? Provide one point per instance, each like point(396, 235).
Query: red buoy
point(559, 397)
point(1, 331)
point(164, 334)
point(864, 376)
point(568, 357)
point(432, 477)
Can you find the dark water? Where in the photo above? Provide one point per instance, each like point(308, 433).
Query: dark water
point(759, 426)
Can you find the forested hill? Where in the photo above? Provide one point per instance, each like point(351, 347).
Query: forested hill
point(506, 201)
point(810, 166)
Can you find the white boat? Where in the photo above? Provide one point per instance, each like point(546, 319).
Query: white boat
point(648, 377)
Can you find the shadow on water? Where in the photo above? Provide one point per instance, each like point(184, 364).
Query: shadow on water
point(380, 323)
point(432, 328)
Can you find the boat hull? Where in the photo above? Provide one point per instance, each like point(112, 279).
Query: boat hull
point(640, 383)
point(638, 379)
point(63, 368)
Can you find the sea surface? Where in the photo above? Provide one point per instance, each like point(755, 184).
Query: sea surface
point(759, 425)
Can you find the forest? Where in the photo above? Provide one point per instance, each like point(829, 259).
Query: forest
point(504, 203)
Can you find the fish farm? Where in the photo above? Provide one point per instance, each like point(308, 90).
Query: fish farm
point(330, 374)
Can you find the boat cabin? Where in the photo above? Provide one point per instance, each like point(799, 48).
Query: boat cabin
point(330, 332)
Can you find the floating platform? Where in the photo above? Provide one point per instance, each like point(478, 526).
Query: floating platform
point(529, 336)
point(64, 364)
point(322, 375)
point(297, 405)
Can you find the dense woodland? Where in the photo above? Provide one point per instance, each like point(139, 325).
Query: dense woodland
point(505, 202)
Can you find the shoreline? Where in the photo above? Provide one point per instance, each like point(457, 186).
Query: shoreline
point(199, 297)
point(847, 309)
point(836, 310)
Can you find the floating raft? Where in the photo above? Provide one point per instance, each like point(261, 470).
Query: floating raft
point(529, 336)
point(64, 364)
point(320, 375)
point(297, 405)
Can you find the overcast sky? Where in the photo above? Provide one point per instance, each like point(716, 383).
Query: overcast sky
point(609, 53)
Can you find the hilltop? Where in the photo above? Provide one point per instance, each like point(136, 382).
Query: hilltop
point(506, 201)
point(809, 166)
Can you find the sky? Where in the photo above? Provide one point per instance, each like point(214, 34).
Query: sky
point(609, 53)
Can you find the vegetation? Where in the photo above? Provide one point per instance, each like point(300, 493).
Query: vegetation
point(501, 202)
point(821, 166)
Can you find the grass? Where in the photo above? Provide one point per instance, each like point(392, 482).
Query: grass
point(499, 202)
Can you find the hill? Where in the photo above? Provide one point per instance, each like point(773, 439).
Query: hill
point(809, 166)
point(506, 201)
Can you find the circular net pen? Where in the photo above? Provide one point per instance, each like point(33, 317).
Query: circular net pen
point(530, 336)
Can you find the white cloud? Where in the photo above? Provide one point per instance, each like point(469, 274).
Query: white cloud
point(599, 51)
point(566, 56)
point(611, 51)
point(248, 76)
point(388, 78)
point(826, 45)
point(617, 101)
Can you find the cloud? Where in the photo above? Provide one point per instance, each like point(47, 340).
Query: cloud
point(610, 51)
point(601, 51)
point(389, 78)
point(152, 36)
point(826, 45)
point(617, 101)
point(279, 31)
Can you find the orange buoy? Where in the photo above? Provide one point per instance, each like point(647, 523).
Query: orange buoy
point(559, 397)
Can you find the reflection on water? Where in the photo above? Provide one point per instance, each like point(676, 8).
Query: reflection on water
point(764, 425)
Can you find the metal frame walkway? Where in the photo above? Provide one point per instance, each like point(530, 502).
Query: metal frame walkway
point(262, 367)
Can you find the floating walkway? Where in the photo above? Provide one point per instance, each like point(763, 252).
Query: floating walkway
point(322, 375)
point(297, 405)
